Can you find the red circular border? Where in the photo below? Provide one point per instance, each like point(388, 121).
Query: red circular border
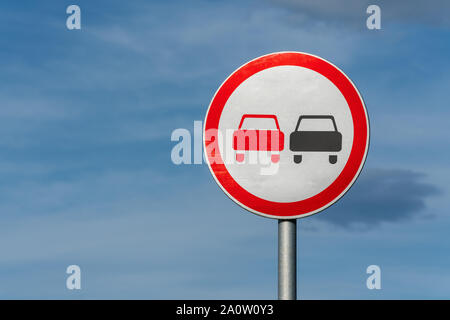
point(355, 160)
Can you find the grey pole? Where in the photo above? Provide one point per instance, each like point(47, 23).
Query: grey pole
point(287, 259)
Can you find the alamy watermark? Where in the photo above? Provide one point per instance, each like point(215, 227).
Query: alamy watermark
point(246, 146)
point(73, 281)
point(374, 280)
point(373, 22)
point(73, 21)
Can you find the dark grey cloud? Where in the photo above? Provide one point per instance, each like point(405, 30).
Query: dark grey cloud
point(353, 12)
point(381, 195)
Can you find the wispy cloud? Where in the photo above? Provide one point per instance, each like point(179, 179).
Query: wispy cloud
point(353, 12)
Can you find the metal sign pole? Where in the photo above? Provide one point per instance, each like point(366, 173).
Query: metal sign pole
point(287, 259)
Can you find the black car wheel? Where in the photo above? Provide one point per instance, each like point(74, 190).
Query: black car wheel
point(332, 159)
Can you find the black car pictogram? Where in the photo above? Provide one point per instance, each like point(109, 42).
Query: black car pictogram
point(328, 140)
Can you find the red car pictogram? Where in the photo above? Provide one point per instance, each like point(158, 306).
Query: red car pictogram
point(254, 139)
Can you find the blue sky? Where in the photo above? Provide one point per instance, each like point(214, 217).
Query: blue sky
point(86, 176)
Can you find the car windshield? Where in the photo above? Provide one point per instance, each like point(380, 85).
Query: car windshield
point(259, 124)
point(316, 124)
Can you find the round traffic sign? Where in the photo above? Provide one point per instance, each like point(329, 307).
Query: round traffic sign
point(286, 135)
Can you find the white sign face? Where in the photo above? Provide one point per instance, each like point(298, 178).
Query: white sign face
point(292, 135)
point(289, 92)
